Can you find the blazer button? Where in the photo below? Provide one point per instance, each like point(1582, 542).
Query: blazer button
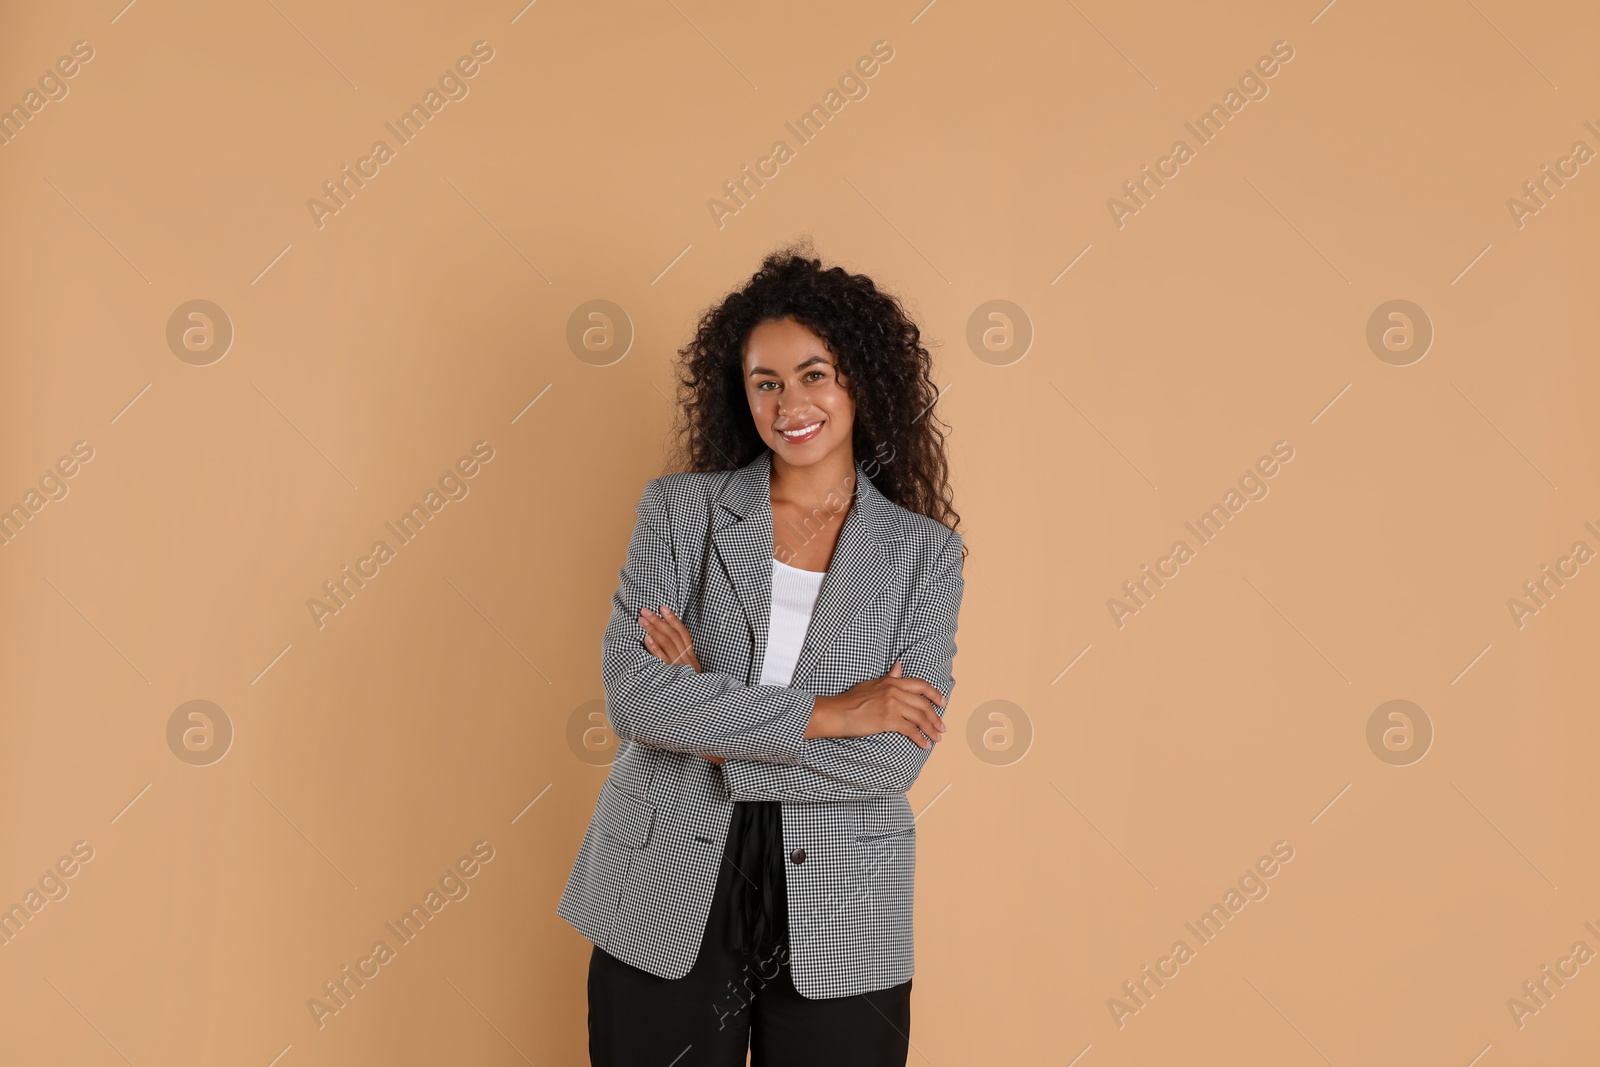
point(798, 855)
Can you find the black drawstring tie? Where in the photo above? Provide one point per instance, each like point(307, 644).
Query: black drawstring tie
point(758, 896)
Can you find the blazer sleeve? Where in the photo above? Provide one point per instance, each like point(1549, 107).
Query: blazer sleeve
point(831, 769)
point(672, 706)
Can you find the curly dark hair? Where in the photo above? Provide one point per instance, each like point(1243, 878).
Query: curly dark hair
point(877, 348)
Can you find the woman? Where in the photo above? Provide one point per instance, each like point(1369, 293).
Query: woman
point(776, 666)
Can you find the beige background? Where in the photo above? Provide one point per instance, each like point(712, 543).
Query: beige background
point(436, 709)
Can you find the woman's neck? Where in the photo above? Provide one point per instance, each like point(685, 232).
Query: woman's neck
point(831, 477)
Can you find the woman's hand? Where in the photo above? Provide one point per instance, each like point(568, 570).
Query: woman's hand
point(667, 639)
point(891, 704)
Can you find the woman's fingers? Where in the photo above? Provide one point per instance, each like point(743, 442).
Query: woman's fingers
point(917, 689)
point(912, 685)
point(915, 734)
point(919, 708)
point(910, 729)
point(670, 647)
point(913, 717)
point(666, 622)
point(667, 638)
point(656, 638)
point(929, 724)
point(923, 689)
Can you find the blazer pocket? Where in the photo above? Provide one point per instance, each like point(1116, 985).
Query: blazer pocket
point(879, 821)
point(879, 835)
point(621, 817)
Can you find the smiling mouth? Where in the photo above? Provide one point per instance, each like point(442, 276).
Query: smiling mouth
point(802, 434)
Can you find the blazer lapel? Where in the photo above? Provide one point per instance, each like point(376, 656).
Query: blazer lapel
point(857, 573)
point(742, 531)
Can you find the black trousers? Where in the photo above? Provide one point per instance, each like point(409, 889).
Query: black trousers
point(730, 1002)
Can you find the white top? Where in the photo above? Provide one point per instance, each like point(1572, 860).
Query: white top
point(794, 596)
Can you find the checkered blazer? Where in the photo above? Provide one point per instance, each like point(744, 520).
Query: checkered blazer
point(642, 883)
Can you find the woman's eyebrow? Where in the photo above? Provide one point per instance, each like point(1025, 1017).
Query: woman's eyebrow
point(798, 366)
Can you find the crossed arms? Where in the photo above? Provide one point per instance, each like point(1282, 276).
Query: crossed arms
point(759, 730)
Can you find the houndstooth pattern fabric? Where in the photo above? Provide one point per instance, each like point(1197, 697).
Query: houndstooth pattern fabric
point(642, 883)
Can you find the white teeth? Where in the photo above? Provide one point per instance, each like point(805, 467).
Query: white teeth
point(800, 432)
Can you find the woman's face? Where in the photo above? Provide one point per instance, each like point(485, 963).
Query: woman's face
point(793, 384)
